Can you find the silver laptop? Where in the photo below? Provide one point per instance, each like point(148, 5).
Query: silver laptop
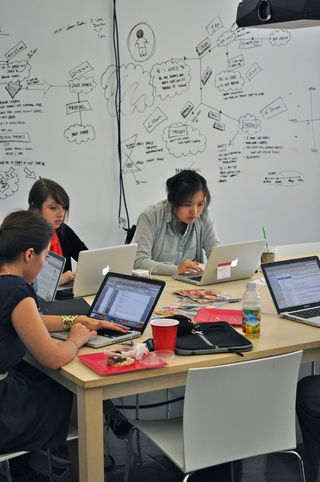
point(47, 281)
point(124, 299)
point(228, 262)
point(94, 264)
point(295, 288)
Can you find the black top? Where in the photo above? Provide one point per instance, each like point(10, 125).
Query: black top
point(35, 410)
point(13, 289)
point(71, 245)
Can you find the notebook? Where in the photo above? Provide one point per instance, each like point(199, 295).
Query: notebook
point(47, 281)
point(294, 285)
point(228, 262)
point(124, 299)
point(93, 264)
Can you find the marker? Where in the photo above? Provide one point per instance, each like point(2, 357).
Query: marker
point(265, 239)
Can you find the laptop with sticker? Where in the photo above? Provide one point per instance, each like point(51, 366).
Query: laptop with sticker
point(94, 264)
point(124, 299)
point(228, 262)
point(294, 286)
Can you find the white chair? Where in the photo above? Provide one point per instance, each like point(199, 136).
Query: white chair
point(231, 412)
point(300, 248)
point(5, 457)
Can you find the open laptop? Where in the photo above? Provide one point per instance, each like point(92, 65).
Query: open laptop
point(93, 265)
point(47, 281)
point(228, 262)
point(294, 285)
point(124, 299)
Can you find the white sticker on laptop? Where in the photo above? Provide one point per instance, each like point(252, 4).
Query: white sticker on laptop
point(223, 271)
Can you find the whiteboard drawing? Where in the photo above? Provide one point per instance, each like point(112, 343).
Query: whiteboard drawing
point(154, 119)
point(275, 107)
point(136, 89)
point(182, 140)
point(141, 42)
point(80, 84)
point(170, 78)
point(310, 120)
point(284, 178)
point(9, 183)
point(95, 24)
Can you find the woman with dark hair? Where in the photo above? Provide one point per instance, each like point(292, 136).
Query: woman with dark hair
point(35, 410)
point(53, 203)
point(173, 233)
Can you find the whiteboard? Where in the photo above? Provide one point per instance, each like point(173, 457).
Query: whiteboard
point(241, 106)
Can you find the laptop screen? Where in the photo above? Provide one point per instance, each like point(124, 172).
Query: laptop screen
point(294, 284)
point(47, 281)
point(128, 300)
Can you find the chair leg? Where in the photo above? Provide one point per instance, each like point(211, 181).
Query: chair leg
point(50, 466)
point(186, 477)
point(232, 471)
point(313, 368)
point(8, 473)
point(129, 451)
point(300, 463)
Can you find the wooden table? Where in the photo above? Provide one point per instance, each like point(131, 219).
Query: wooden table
point(277, 336)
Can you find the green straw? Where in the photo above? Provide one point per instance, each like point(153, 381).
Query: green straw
point(265, 239)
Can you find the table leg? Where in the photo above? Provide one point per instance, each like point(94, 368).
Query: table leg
point(90, 429)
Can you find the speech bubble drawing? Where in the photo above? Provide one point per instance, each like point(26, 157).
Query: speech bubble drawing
point(13, 71)
point(136, 89)
point(226, 38)
point(182, 140)
point(9, 183)
point(170, 78)
point(84, 84)
point(229, 81)
point(80, 133)
point(279, 37)
point(249, 124)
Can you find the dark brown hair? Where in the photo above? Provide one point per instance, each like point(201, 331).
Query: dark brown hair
point(21, 230)
point(42, 189)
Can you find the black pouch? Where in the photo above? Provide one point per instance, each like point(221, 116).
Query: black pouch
point(217, 337)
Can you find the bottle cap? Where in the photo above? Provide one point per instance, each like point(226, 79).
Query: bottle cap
point(251, 286)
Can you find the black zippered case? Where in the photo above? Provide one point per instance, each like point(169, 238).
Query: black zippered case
point(217, 337)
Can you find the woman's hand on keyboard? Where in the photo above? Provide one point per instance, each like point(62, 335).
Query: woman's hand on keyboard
point(95, 325)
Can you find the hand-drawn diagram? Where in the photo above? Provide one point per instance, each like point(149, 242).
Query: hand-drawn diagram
point(199, 119)
point(96, 25)
point(137, 91)
point(9, 183)
point(79, 83)
point(311, 120)
point(141, 42)
point(284, 178)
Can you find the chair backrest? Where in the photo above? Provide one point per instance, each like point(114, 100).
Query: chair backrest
point(300, 248)
point(130, 234)
point(240, 410)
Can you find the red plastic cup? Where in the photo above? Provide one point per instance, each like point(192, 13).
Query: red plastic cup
point(164, 332)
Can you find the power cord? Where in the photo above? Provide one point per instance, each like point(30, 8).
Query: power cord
point(151, 405)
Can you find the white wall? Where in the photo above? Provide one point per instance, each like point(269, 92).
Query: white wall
point(252, 128)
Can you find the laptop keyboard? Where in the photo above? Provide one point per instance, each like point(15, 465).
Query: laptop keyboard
point(310, 313)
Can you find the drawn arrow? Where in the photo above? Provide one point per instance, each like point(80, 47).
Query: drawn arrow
point(231, 140)
point(29, 174)
point(9, 174)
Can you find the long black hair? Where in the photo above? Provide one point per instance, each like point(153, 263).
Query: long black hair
point(182, 187)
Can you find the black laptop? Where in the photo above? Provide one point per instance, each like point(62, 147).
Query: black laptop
point(126, 300)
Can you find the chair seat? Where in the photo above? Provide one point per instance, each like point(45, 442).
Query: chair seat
point(167, 434)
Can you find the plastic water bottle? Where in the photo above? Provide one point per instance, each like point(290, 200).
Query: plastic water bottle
point(251, 311)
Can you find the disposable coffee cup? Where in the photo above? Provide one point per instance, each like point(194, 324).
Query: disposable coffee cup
point(268, 257)
point(164, 333)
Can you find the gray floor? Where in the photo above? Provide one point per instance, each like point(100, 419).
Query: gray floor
point(149, 463)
